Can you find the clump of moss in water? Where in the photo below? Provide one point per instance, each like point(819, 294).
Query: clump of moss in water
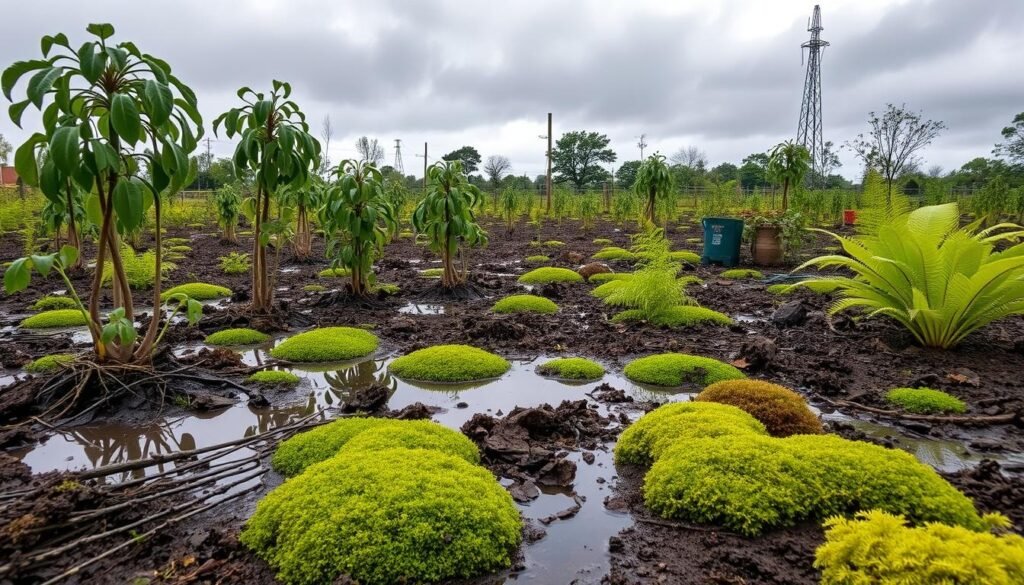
point(525, 304)
point(550, 274)
point(50, 303)
point(274, 378)
point(449, 363)
point(236, 336)
point(782, 411)
point(677, 316)
point(573, 368)
point(675, 369)
point(925, 401)
point(199, 291)
point(54, 319)
point(327, 344)
point(49, 363)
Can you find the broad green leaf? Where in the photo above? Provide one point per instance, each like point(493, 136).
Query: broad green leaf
point(40, 83)
point(102, 30)
point(17, 276)
point(67, 255)
point(128, 204)
point(16, 110)
point(64, 149)
point(43, 263)
point(12, 74)
point(158, 101)
point(124, 117)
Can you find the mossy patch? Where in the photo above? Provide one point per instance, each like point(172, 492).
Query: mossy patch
point(537, 259)
point(684, 256)
point(605, 290)
point(602, 242)
point(314, 288)
point(676, 369)
point(677, 316)
point(54, 319)
point(321, 443)
point(694, 240)
point(550, 274)
point(741, 274)
point(431, 272)
point(274, 378)
point(925, 401)
point(334, 273)
point(449, 363)
point(49, 363)
point(603, 277)
point(387, 289)
point(614, 253)
point(237, 336)
point(327, 344)
point(414, 434)
point(525, 304)
point(553, 244)
point(199, 291)
point(782, 411)
point(574, 368)
point(51, 303)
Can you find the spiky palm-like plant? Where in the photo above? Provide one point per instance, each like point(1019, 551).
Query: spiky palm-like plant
point(653, 182)
point(788, 162)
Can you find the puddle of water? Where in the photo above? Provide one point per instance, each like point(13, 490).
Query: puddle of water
point(421, 309)
point(742, 318)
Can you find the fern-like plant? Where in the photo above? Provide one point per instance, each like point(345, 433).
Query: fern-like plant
point(228, 201)
point(938, 280)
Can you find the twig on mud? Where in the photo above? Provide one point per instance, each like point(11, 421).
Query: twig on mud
point(686, 526)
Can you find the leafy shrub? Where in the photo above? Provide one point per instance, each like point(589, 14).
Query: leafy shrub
point(274, 378)
point(678, 316)
point(381, 517)
point(297, 453)
point(604, 277)
point(334, 273)
point(676, 369)
point(237, 336)
point(55, 318)
point(741, 274)
point(925, 401)
point(431, 272)
point(614, 253)
point(877, 547)
point(525, 304)
point(537, 259)
point(199, 291)
point(326, 344)
point(49, 303)
point(235, 263)
point(574, 368)
point(653, 293)
point(49, 363)
point(550, 274)
point(940, 281)
point(413, 434)
point(782, 411)
point(602, 242)
point(449, 363)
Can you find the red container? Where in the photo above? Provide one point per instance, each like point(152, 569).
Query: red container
point(849, 216)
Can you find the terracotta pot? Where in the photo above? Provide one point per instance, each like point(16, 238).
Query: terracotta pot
point(766, 246)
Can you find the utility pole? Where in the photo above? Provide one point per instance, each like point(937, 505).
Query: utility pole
point(208, 164)
point(424, 155)
point(547, 182)
point(642, 144)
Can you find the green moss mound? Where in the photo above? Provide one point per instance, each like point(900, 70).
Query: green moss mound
point(925, 401)
point(431, 272)
point(55, 318)
point(574, 368)
point(449, 363)
point(685, 256)
point(782, 411)
point(677, 316)
point(614, 253)
point(49, 363)
point(314, 288)
point(537, 259)
point(741, 274)
point(237, 336)
point(689, 279)
point(554, 244)
point(304, 449)
point(181, 249)
point(327, 344)
point(605, 290)
point(778, 289)
point(175, 241)
point(549, 274)
point(604, 277)
point(199, 291)
point(675, 369)
point(602, 242)
point(334, 273)
point(51, 303)
point(877, 547)
point(387, 289)
point(382, 517)
point(274, 378)
point(414, 434)
point(525, 304)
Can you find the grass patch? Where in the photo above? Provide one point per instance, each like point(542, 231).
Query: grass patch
point(925, 401)
point(50, 303)
point(677, 316)
point(274, 378)
point(781, 411)
point(327, 344)
point(574, 368)
point(54, 319)
point(741, 274)
point(525, 304)
point(550, 274)
point(676, 369)
point(49, 363)
point(449, 363)
point(237, 336)
point(199, 291)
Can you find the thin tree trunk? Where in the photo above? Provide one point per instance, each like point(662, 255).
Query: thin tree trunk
point(785, 194)
point(303, 235)
point(259, 268)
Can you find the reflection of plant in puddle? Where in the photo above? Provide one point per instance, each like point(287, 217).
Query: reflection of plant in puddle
point(269, 419)
point(358, 377)
point(108, 444)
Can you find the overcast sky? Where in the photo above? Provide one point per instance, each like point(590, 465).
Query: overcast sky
point(723, 75)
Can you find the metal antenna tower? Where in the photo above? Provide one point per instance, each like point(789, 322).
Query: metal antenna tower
point(398, 157)
point(808, 132)
point(642, 144)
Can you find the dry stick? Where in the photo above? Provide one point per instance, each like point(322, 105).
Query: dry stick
point(998, 419)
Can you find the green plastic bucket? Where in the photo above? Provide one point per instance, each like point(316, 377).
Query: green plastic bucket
point(722, 238)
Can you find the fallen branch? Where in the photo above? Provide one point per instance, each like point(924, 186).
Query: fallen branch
point(985, 420)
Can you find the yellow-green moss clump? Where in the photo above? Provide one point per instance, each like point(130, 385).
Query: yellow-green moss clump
point(685, 256)
point(334, 273)
point(51, 303)
point(431, 272)
point(602, 242)
point(525, 304)
point(925, 401)
point(237, 336)
point(387, 289)
point(550, 274)
point(676, 369)
point(574, 368)
point(537, 259)
point(614, 253)
point(386, 516)
point(554, 244)
point(677, 316)
point(274, 378)
point(414, 434)
point(314, 288)
point(313, 446)
point(327, 344)
point(55, 318)
point(49, 363)
point(199, 291)
point(449, 363)
point(878, 547)
point(782, 411)
point(741, 274)
point(605, 277)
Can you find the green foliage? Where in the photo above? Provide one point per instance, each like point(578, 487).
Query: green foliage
point(413, 434)
point(577, 158)
point(199, 291)
point(359, 218)
point(675, 316)
point(228, 201)
point(55, 318)
point(326, 344)
point(940, 281)
point(782, 411)
point(676, 369)
point(235, 263)
point(50, 363)
point(788, 162)
point(653, 183)
point(449, 363)
point(925, 401)
point(653, 292)
point(334, 272)
point(880, 207)
point(445, 215)
point(382, 517)
point(537, 259)
point(606, 277)
point(387, 288)
point(525, 304)
point(49, 303)
point(139, 270)
point(588, 208)
point(741, 274)
point(625, 206)
point(614, 253)
point(877, 547)
point(237, 336)
point(297, 453)
point(550, 274)
point(511, 202)
point(274, 378)
point(605, 290)
point(574, 368)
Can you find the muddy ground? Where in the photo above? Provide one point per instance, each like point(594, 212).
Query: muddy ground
point(829, 359)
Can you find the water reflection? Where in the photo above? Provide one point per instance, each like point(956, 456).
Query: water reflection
point(344, 383)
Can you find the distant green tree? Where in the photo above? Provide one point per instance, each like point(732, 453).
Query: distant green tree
point(5, 150)
point(577, 158)
point(754, 171)
point(724, 172)
point(788, 162)
point(626, 175)
point(1013, 148)
point(469, 156)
